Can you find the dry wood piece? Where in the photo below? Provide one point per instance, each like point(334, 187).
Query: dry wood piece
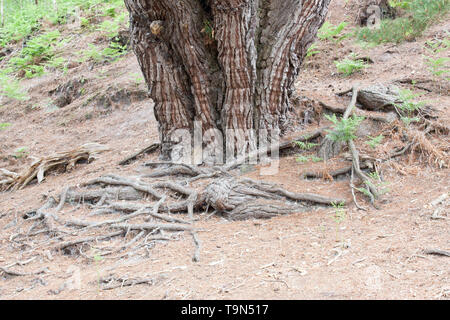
point(148, 150)
point(111, 283)
point(37, 170)
point(437, 252)
point(21, 274)
point(378, 97)
point(66, 244)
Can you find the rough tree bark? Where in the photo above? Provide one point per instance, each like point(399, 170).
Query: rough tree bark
point(225, 65)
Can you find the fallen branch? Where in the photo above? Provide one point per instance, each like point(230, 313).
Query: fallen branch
point(22, 274)
point(147, 150)
point(112, 283)
point(437, 252)
point(66, 244)
point(38, 169)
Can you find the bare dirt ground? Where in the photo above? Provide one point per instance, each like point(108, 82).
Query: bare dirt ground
point(376, 254)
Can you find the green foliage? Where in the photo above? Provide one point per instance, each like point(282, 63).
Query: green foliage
point(305, 145)
point(344, 129)
point(400, 4)
point(375, 141)
point(421, 13)
point(208, 28)
point(37, 53)
point(4, 125)
point(10, 87)
point(312, 50)
point(304, 159)
point(23, 18)
point(330, 32)
point(438, 66)
point(339, 216)
point(339, 212)
point(108, 54)
point(348, 66)
point(407, 108)
point(20, 153)
point(137, 78)
point(111, 27)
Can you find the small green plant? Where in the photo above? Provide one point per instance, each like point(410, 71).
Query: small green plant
point(208, 29)
point(111, 27)
point(137, 78)
point(344, 130)
point(20, 153)
point(381, 185)
point(108, 54)
point(316, 159)
point(330, 32)
point(97, 258)
point(407, 108)
point(339, 216)
point(405, 4)
point(10, 87)
point(375, 141)
point(312, 50)
point(439, 67)
point(304, 159)
point(348, 66)
point(305, 145)
point(4, 125)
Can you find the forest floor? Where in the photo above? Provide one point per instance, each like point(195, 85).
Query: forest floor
point(373, 254)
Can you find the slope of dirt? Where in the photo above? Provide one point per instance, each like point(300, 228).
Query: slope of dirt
point(374, 254)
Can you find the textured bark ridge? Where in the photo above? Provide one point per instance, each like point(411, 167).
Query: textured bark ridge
point(224, 67)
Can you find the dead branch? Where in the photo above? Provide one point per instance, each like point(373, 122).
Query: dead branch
point(22, 274)
point(437, 252)
point(66, 244)
point(38, 169)
point(147, 150)
point(113, 283)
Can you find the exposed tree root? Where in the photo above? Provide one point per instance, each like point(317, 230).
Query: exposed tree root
point(142, 207)
point(372, 115)
point(334, 174)
point(264, 152)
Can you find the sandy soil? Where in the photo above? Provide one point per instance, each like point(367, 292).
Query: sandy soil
point(374, 254)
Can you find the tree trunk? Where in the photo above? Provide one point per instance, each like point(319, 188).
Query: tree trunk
point(221, 71)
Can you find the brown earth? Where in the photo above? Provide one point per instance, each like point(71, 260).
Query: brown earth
point(374, 254)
